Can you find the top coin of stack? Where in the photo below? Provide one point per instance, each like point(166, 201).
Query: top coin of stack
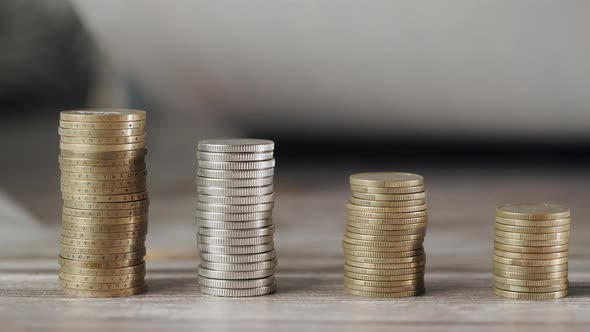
point(103, 184)
point(387, 218)
point(234, 213)
point(531, 251)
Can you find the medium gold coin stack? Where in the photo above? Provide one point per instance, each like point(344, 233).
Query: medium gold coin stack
point(531, 251)
point(103, 185)
point(387, 219)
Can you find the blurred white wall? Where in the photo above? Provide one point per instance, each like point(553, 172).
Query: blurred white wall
point(519, 68)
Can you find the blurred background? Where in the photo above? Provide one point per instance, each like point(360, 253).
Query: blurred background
point(488, 99)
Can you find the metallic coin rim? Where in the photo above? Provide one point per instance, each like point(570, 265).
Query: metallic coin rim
point(234, 156)
point(411, 180)
point(530, 296)
point(239, 292)
point(387, 190)
point(97, 294)
point(502, 211)
point(237, 145)
point(377, 209)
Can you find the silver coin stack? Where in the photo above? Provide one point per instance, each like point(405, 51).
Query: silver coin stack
point(234, 215)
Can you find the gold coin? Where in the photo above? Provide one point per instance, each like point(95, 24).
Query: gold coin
point(531, 283)
point(530, 296)
point(530, 276)
point(383, 255)
point(104, 228)
point(97, 221)
point(104, 184)
point(100, 132)
point(386, 244)
point(532, 256)
point(530, 269)
point(385, 266)
point(144, 203)
point(113, 293)
point(105, 198)
point(530, 243)
point(410, 247)
point(101, 148)
point(541, 224)
point(101, 251)
point(389, 216)
point(385, 190)
point(392, 260)
point(102, 169)
point(389, 289)
point(377, 224)
point(381, 278)
point(530, 250)
point(102, 140)
point(102, 125)
point(529, 262)
point(385, 295)
point(94, 191)
point(366, 202)
point(100, 162)
point(96, 286)
point(398, 283)
point(102, 279)
point(103, 155)
point(389, 197)
point(533, 237)
point(386, 179)
point(384, 238)
point(532, 230)
point(102, 272)
point(375, 209)
point(104, 176)
point(532, 211)
point(527, 289)
point(352, 229)
point(100, 243)
point(102, 236)
point(99, 265)
point(103, 258)
point(382, 272)
point(106, 115)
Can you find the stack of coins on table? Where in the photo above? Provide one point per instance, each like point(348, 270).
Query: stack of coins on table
point(103, 184)
point(387, 219)
point(531, 251)
point(234, 214)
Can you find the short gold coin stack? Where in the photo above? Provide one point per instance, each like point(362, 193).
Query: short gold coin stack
point(103, 184)
point(383, 242)
point(531, 251)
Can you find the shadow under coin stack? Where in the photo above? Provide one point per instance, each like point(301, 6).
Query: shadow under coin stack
point(234, 214)
point(387, 219)
point(531, 251)
point(103, 184)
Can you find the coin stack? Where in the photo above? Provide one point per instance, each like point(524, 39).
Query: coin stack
point(234, 214)
point(103, 184)
point(387, 219)
point(531, 251)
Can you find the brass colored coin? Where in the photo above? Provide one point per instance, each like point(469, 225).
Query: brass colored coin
point(101, 243)
point(530, 269)
point(533, 256)
point(385, 190)
point(350, 228)
point(101, 148)
point(528, 289)
point(103, 236)
point(375, 224)
point(532, 230)
point(237, 165)
point(380, 278)
point(104, 228)
point(113, 293)
point(530, 276)
point(530, 296)
point(94, 191)
point(100, 162)
point(529, 262)
point(386, 244)
point(386, 179)
point(106, 115)
point(97, 221)
point(532, 211)
point(375, 209)
point(100, 251)
point(217, 156)
point(103, 140)
point(102, 169)
point(393, 260)
point(105, 198)
point(412, 247)
point(381, 272)
point(530, 250)
point(531, 283)
point(368, 283)
point(104, 184)
point(102, 125)
point(383, 255)
point(102, 279)
point(368, 202)
point(103, 258)
point(240, 200)
point(389, 197)
point(98, 265)
point(385, 266)
point(388, 289)
point(541, 224)
point(96, 286)
point(221, 208)
point(533, 237)
point(144, 203)
point(101, 272)
point(530, 243)
point(100, 132)
point(385, 295)
point(104, 176)
point(105, 213)
point(384, 238)
point(222, 241)
point(103, 155)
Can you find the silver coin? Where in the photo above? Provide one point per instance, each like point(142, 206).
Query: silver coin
point(237, 209)
point(234, 225)
point(232, 275)
point(238, 145)
point(248, 191)
point(217, 216)
point(246, 292)
point(217, 174)
point(234, 183)
point(241, 200)
point(238, 259)
point(241, 233)
point(247, 241)
point(237, 165)
point(236, 284)
point(241, 267)
point(236, 250)
point(217, 156)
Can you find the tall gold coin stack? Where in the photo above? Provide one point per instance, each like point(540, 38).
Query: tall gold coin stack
point(234, 214)
point(103, 184)
point(531, 251)
point(387, 219)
